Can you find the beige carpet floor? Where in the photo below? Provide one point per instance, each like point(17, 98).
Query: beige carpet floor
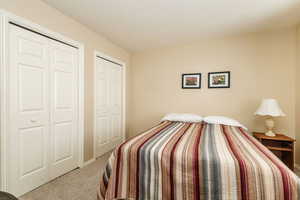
point(79, 184)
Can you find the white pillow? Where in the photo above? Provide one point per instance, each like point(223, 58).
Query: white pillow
point(223, 120)
point(184, 117)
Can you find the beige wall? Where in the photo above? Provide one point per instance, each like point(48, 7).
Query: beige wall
point(262, 65)
point(297, 87)
point(46, 16)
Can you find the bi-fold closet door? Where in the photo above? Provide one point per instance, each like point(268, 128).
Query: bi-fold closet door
point(43, 110)
point(108, 105)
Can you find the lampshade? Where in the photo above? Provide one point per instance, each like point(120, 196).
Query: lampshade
point(269, 107)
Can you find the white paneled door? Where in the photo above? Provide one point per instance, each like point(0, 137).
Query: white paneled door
point(43, 110)
point(63, 109)
point(29, 111)
point(108, 105)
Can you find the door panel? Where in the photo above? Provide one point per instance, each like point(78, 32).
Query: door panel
point(29, 113)
point(102, 88)
point(102, 126)
point(116, 127)
point(64, 109)
point(108, 106)
point(30, 47)
point(32, 157)
point(31, 79)
point(116, 88)
point(63, 87)
point(62, 141)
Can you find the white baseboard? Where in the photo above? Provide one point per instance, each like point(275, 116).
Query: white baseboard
point(297, 167)
point(88, 162)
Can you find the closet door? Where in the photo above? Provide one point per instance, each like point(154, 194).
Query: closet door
point(108, 106)
point(43, 110)
point(29, 111)
point(63, 109)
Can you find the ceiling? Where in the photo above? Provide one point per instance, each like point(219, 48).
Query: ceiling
point(143, 24)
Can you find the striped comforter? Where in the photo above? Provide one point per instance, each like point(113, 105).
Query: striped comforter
point(176, 160)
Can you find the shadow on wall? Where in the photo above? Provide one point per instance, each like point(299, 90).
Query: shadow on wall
point(283, 18)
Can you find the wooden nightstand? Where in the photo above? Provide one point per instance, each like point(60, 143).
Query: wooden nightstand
point(281, 145)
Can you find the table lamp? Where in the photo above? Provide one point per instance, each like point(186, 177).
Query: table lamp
point(270, 109)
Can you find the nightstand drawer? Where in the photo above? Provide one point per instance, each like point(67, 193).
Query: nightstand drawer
point(279, 148)
point(277, 145)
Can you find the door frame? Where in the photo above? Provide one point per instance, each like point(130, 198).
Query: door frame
point(5, 18)
point(124, 68)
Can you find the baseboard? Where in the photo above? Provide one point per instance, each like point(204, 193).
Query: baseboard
point(88, 162)
point(297, 167)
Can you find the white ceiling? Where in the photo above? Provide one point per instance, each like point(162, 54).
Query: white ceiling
point(143, 24)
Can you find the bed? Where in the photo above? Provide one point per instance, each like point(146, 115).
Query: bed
point(181, 160)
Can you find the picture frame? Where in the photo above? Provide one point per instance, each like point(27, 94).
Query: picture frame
point(219, 79)
point(191, 81)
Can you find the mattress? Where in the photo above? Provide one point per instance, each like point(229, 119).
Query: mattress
point(176, 160)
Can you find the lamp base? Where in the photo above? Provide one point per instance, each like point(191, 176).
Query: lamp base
point(270, 134)
point(270, 125)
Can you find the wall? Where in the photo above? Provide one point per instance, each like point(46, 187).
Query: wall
point(297, 87)
point(262, 65)
point(46, 16)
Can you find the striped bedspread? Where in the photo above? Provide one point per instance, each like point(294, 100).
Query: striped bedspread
point(175, 160)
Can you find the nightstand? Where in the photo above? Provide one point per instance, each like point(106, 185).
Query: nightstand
point(281, 145)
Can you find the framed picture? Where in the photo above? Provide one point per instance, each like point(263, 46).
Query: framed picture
point(191, 81)
point(219, 79)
